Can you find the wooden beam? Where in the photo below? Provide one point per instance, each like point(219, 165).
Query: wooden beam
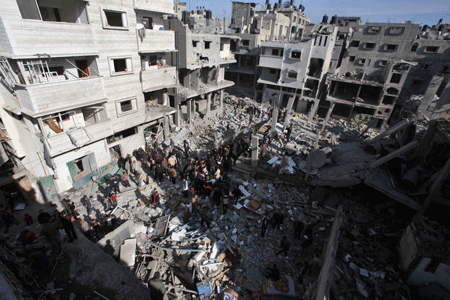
point(390, 131)
point(329, 258)
point(394, 154)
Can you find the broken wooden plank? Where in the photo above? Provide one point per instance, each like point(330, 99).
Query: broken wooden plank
point(390, 131)
point(394, 154)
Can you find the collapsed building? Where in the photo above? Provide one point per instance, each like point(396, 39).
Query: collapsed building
point(201, 61)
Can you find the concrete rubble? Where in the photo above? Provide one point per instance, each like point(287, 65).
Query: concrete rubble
point(352, 253)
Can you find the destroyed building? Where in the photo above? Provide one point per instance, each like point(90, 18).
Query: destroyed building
point(254, 26)
point(293, 73)
point(77, 91)
point(201, 62)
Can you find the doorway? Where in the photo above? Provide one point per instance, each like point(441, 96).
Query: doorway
point(115, 152)
point(82, 68)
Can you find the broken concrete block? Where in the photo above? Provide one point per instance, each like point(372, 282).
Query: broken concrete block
point(128, 252)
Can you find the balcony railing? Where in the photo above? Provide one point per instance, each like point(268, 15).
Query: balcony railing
point(156, 40)
point(48, 37)
point(58, 96)
point(63, 141)
point(270, 61)
point(158, 78)
point(162, 6)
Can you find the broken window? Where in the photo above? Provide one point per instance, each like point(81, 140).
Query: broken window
point(275, 52)
point(114, 19)
point(352, 58)
point(431, 49)
point(93, 115)
point(396, 30)
point(273, 71)
point(194, 44)
point(83, 68)
point(361, 61)
point(50, 14)
point(126, 106)
point(52, 11)
point(382, 63)
point(292, 74)
point(369, 46)
point(148, 22)
point(396, 78)
point(390, 47)
point(296, 54)
point(374, 29)
point(354, 44)
point(245, 42)
point(120, 66)
point(414, 47)
point(207, 44)
point(57, 70)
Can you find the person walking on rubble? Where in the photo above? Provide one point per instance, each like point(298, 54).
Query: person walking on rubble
point(115, 184)
point(68, 227)
point(288, 133)
point(284, 246)
point(204, 218)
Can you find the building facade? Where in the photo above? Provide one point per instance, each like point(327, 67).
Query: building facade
point(201, 62)
point(86, 81)
point(293, 73)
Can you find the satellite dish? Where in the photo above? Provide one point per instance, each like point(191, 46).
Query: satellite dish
point(261, 6)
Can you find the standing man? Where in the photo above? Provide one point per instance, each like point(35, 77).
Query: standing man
point(115, 184)
point(264, 224)
point(125, 181)
point(186, 147)
point(68, 227)
point(51, 232)
point(156, 199)
point(288, 133)
point(72, 208)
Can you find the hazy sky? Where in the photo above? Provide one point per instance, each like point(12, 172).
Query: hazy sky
point(394, 11)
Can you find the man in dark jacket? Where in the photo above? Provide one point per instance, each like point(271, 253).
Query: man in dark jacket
point(68, 227)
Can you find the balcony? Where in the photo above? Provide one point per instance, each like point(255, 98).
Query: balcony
point(156, 41)
point(162, 6)
point(61, 143)
point(268, 61)
point(46, 98)
point(158, 78)
point(54, 38)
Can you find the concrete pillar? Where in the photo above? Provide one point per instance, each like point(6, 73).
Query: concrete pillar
point(208, 103)
point(221, 100)
point(274, 119)
point(166, 99)
point(189, 111)
point(166, 126)
point(255, 143)
point(313, 111)
point(177, 114)
point(431, 91)
point(288, 110)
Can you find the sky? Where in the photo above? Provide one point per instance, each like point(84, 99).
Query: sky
point(417, 11)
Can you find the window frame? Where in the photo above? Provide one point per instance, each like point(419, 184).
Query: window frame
point(386, 46)
point(128, 63)
point(105, 23)
point(134, 107)
point(366, 46)
point(432, 52)
point(296, 51)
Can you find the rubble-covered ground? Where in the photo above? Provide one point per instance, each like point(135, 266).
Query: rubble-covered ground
point(178, 258)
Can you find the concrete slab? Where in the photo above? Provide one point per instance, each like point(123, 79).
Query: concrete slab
point(128, 252)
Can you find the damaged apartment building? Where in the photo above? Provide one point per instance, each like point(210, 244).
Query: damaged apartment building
point(375, 64)
point(201, 61)
point(83, 83)
point(293, 73)
point(280, 22)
